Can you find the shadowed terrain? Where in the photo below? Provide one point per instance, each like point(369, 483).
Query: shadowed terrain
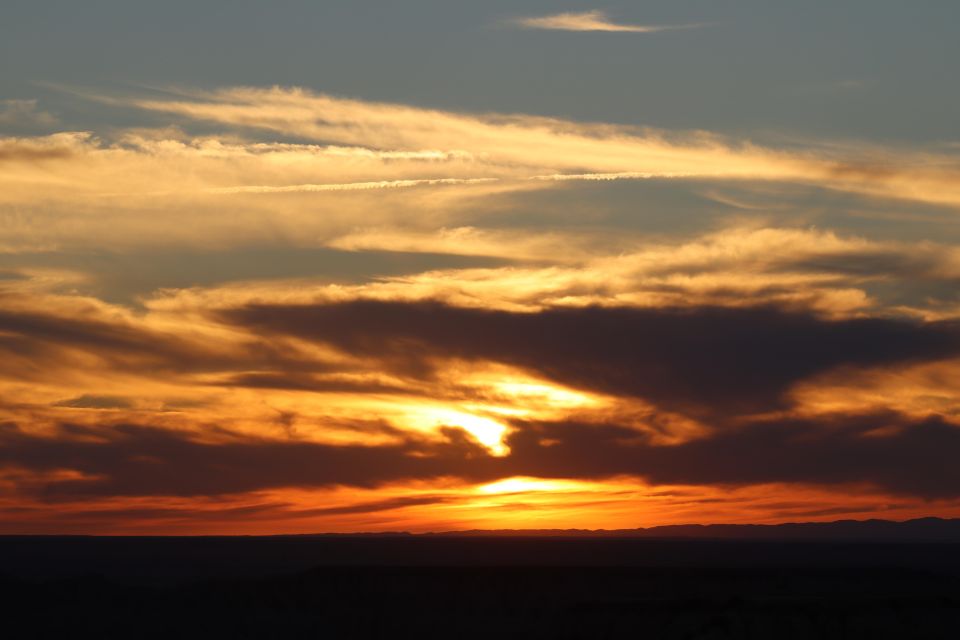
point(838, 583)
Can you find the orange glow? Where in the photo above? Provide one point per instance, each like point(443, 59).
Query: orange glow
point(511, 503)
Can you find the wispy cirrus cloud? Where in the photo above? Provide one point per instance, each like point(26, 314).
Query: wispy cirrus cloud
point(387, 165)
point(523, 146)
point(595, 20)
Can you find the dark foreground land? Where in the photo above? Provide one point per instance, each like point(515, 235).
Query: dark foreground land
point(477, 587)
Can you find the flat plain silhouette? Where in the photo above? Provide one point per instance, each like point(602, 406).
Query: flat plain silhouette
point(871, 579)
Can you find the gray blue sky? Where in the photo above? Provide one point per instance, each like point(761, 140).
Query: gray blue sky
point(877, 69)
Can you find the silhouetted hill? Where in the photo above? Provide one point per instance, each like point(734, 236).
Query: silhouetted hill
point(918, 530)
point(927, 544)
point(680, 603)
point(871, 579)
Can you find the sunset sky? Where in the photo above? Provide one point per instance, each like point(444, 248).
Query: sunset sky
point(290, 267)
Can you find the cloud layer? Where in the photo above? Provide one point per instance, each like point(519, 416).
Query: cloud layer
point(571, 321)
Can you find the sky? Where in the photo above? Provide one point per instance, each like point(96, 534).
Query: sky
point(297, 267)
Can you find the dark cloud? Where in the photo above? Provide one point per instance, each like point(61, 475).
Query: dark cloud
point(95, 402)
point(133, 513)
point(708, 360)
point(874, 264)
point(133, 460)
point(715, 363)
point(33, 343)
point(916, 458)
point(895, 277)
point(41, 335)
point(374, 506)
point(306, 382)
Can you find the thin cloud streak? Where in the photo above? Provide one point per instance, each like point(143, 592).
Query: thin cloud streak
point(592, 21)
point(523, 146)
point(349, 186)
point(388, 165)
point(399, 184)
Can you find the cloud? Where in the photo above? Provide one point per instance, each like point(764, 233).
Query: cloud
point(786, 368)
point(779, 310)
point(916, 459)
point(378, 505)
point(365, 364)
point(517, 244)
point(78, 191)
point(536, 146)
point(740, 266)
point(96, 402)
point(134, 460)
point(350, 186)
point(591, 21)
point(39, 341)
point(352, 163)
point(24, 113)
point(56, 146)
point(704, 361)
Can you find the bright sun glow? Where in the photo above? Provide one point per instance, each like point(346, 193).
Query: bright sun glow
point(521, 485)
point(486, 431)
point(506, 394)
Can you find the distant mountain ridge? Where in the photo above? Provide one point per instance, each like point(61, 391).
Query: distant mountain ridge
point(930, 529)
point(926, 545)
point(917, 530)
